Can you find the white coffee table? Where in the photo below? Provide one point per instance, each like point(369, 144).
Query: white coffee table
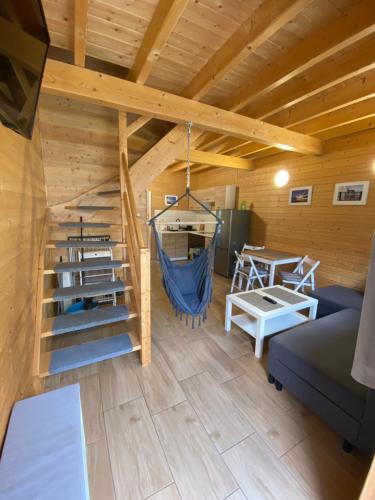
point(261, 318)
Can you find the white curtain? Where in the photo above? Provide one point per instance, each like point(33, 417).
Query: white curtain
point(364, 360)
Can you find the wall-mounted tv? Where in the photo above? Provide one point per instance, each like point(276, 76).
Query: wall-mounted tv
point(24, 42)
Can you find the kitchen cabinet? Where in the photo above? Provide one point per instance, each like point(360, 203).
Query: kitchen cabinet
point(215, 198)
point(206, 196)
point(175, 245)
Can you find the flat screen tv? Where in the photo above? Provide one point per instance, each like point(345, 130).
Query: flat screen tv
point(24, 43)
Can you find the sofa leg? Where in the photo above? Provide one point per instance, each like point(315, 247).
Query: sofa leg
point(347, 447)
point(278, 385)
point(271, 379)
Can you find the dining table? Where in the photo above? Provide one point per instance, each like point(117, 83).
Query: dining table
point(272, 258)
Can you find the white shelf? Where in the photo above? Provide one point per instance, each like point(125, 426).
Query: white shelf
point(274, 325)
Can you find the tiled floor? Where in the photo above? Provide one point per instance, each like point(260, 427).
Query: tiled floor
point(202, 422)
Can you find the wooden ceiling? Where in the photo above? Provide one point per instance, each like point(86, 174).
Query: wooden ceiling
point(307, 65)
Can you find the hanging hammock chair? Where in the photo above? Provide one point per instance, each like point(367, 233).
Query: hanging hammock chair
point(189, 285)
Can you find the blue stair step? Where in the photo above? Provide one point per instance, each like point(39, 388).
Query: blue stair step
point(85, 224)
point(86, 354)
point(70, 323)
point(75, 292)
point(112, 192)
point(90, 207)
point(87, 265)
point(84, 244)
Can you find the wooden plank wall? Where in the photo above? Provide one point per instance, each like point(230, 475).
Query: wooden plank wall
point(23, 203)
point(80, 154)
point(339, 236)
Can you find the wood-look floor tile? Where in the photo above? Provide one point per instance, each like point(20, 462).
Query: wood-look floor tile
point(168, 493)
point(118, 382)
point(233, 345)
point(214, 360)
point(181, 358)
point(257, 370)
point(70, 377)
point(320, 468)
point(224, 423)
point(99, 471)
point(260, 474)
point(274, 425)
point(160, 387)
point(198, 469)
point(92, 408)
point(138, 463)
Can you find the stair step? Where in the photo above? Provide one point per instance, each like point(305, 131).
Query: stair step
point(70, 323)
point(87, 265)
point(76, 292)
point(86, 354)
point(85, 244)
point(86, 224)
point(90, 207)
point(112, 192)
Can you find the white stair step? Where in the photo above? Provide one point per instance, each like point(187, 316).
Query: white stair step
point(85, 244)
point(85, 354)
point(70, 323)
point(95, 208)
point(87, 225)
point(87, 265)
point(76, 292)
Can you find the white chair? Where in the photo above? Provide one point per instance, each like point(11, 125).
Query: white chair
point(254, 247)
point(247, 270)
point(298, 278)
point(251, 247)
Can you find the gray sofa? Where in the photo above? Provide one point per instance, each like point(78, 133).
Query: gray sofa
point(314, 360)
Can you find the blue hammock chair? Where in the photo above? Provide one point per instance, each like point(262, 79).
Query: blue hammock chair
point(188, 286)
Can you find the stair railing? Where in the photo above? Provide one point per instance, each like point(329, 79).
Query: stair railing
point(139, 260)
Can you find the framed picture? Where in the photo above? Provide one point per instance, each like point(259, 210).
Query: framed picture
point(300, 195)
point(351, 193)
point(169, 199)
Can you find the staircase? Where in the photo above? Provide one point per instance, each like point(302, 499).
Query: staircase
point(68, 341)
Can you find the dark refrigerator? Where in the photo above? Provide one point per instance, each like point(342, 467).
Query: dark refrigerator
point(233, 234)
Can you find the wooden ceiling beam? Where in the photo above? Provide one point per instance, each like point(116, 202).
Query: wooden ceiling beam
point(341, 117)
point(164, 20)
point(216, 67)
point(352, 26)
point(80, 29)
point(90, 86)
point(268, 18)
point(350, 92)
point(349, 28)
point(351, 127)
point(354, 63)
point(216, 160)
point(136, 125)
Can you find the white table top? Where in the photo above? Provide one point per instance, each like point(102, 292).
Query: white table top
point(272, 256)
point(286, 301)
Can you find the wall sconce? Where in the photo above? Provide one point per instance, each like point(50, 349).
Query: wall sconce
point(282, 178)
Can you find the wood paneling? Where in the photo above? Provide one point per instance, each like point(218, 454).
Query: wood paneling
point(339, 236)
point(23, 205)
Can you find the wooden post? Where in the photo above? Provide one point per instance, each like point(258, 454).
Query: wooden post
point(37, 381)
point(145, 306)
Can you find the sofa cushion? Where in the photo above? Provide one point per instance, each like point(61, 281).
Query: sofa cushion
point(321, 352)
point(335, 298)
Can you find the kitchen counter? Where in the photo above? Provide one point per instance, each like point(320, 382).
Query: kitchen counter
point(198, 233)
